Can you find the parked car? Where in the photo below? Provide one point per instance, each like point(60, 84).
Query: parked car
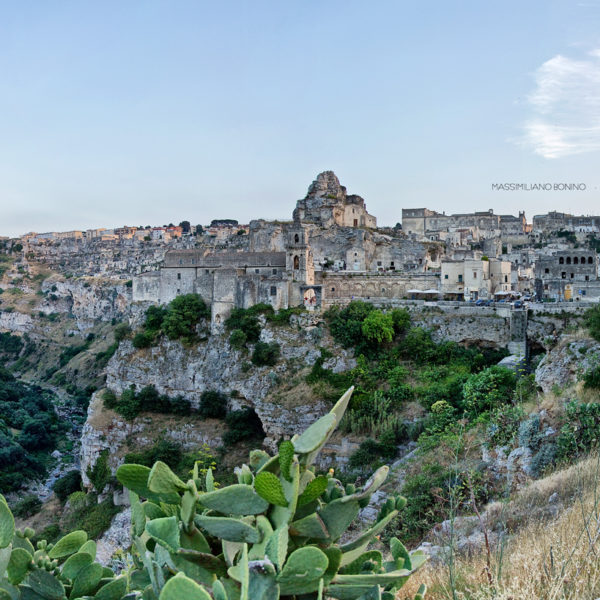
point(480, 302)
point(518, 304)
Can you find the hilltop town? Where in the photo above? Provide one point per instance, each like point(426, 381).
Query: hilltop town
point(332, 251)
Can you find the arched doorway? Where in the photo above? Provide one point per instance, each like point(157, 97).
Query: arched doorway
point(310, 299)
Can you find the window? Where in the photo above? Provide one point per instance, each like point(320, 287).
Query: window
point(274, 271)
point(568, 260)
point(561, 260)
point(296, 238)
point(180, 261)
point(460, 278)
point(206, 271)
point(576, 260)
point(333, 289)
point(273, 291)
point(378, 263)
point(383, 290)
point(257, 271)
point(296, 262)
point(506, 279)
point(474, 274)
point(572, 275)
point(445, 276)
point(546, 271)
point(563, 275)
point(587, 277)
point(178, 275)
point(590, 261)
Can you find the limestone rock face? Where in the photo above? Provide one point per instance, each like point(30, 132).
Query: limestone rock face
point(565, 363)
point(88, 301)
point(15, 321)
point(327, 186)
point(106, 429)
point(213, 365)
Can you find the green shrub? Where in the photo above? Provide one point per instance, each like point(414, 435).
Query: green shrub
point(592, 321)
point(369, 452)
point(504, 425)
point(99, 474)
point(143, 339)
point(401, 320)
point(129, 404)
point(110, 399)
point(378, 327)
point(27, 507)
point(96, 518)
point(246, 321)
point(591, 377)
point(266, 353)
point(67, 484)
point(165, 450)
point(489, 389)
point(183, 315)
point(238, 339)
point(581, 431)
point(213, 405)
point(155, 316)
point(345, 324)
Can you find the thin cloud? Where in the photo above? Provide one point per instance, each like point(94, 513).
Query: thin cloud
point(566, 107)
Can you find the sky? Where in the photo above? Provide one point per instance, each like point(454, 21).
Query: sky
point(151, 112)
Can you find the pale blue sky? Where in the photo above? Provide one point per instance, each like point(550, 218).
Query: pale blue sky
point(151, 112)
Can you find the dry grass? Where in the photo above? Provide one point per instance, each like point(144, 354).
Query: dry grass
point(549, 559)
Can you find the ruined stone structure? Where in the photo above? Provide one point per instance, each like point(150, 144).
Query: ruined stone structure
point(327, 204)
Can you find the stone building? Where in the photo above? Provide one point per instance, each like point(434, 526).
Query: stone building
point(429, 224)
point(474, 278)
point(557, 221)
point(567, 275)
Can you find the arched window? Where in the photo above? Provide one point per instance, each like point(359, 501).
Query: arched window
point(296, 238)
point(590, 260)
point(296, 262)
point(568, 260)
point(576, 260)
point(561, 260)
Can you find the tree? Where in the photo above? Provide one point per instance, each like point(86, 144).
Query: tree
point(199, 230)
point(378, 327)
point(213, 405)
point(185, 226)
point(183, 314)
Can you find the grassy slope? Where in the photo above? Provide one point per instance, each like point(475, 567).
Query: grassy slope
point(545, 557)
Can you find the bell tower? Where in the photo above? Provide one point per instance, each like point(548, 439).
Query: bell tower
point(299, 260)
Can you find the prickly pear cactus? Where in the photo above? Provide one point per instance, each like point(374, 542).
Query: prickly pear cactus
point(276, 534)
point(64, 570)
